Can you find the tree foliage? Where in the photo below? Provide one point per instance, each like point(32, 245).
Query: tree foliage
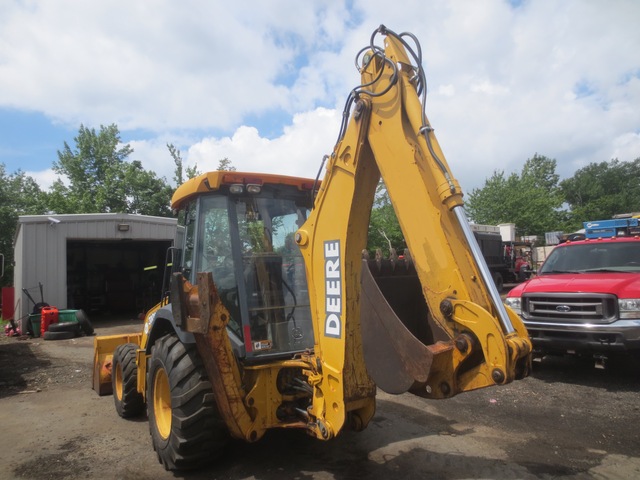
point(20, 194)
point(97, 176)
point(225, 165)
point(95, 170)
point(384, 228)
point(181, 174)
point(146, 193)
point(601, 190)
point(100, 179)
point(532, 200)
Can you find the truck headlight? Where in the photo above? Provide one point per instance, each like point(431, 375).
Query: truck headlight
point(629, 307)
point(515, 303)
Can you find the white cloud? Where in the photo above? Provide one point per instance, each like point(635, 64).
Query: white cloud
point(298, 151)
point(153, 65)
point(556, 78)
point(626, 146)
point(44, 178)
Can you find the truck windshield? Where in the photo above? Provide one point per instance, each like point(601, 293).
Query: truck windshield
point(618, 256)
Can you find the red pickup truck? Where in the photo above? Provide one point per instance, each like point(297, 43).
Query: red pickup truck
point(584, 299)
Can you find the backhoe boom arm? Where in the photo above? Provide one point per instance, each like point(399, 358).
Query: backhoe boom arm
point(480, 343)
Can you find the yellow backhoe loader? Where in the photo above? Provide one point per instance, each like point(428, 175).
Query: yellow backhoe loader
point(273, 319)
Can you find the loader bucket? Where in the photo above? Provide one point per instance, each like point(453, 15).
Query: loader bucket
point(396, 326)
point(103, 348)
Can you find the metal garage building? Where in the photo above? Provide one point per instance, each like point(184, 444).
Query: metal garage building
point(101, 263)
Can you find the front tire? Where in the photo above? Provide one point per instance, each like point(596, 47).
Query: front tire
point(186, 429)
point(523, 274)
point(124, 380)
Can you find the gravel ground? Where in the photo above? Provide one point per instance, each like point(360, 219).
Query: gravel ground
point(568, 420)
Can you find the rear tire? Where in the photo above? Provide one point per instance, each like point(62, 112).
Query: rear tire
point(124, 380)
point(185, 426)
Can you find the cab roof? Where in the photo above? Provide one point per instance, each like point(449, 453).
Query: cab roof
point(212, 181)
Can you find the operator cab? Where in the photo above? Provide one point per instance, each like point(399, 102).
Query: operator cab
point(242, 229)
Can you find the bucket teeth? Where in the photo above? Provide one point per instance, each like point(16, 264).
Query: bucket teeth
point(393, 262)
point(408, 260)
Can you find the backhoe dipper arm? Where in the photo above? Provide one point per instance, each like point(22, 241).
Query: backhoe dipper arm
point(388, 136)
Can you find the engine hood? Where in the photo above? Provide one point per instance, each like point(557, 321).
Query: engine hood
point(624, 285)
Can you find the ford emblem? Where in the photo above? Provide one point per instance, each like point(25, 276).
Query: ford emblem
point(563, 308)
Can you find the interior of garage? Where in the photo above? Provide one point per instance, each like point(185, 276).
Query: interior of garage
point(114, 277)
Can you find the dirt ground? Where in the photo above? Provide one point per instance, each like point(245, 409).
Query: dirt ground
point(568, 420)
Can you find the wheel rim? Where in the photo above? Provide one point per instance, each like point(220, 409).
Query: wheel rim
point(162, 403)
point(118, 381)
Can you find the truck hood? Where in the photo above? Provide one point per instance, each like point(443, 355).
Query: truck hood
point(624, 285)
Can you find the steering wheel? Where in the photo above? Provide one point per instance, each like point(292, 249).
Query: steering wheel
point(229, 295)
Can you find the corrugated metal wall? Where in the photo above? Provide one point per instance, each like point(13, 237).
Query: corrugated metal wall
point(19, 298)
point(41, 248)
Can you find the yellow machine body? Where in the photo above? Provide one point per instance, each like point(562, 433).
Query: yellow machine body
point(359, 341)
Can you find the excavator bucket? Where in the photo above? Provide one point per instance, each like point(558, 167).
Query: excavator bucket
point(396, 327)
point(103, 348)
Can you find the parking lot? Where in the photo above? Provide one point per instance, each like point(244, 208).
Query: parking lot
point(568, 420)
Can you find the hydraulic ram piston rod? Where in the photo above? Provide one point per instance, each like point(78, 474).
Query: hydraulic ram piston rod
point(484, 270)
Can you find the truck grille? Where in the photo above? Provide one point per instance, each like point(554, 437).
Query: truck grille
point(570, 307)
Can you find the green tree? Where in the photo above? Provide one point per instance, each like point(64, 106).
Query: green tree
point(384, 228)
point(19, 195)
point(181, 174)
point(100, 179)
point(601, 190)
point(531, 200)
point(493, 203)
point(95, 170)
point(146, 193)
point(58, 200)
point(225, 165)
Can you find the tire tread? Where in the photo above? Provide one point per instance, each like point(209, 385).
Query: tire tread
point(132, 402)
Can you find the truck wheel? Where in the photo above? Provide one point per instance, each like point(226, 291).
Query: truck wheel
point(497, 279)
point(124, 380)
point(522, 274)
point(185, 426)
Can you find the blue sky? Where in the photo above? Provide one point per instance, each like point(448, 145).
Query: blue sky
point(264, 86)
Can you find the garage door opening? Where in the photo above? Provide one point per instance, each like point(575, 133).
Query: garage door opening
point(115, 277)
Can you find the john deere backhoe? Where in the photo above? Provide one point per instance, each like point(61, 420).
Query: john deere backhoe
point(273, 319)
